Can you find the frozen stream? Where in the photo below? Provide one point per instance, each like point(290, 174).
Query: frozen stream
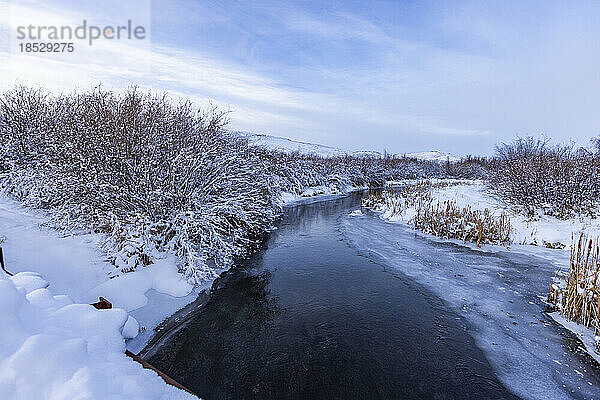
point(352, 307)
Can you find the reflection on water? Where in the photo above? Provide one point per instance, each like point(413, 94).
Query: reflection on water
point(308, 317)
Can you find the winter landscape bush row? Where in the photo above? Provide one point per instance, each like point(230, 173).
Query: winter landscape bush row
point(155, 175)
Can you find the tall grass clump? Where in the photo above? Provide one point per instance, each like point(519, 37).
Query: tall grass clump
point(576, 294)
point(151, 174)
point(449, 221)
point(444, 219)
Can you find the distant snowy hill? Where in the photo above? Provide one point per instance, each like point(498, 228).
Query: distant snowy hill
point(433, 155)
point(289, 146)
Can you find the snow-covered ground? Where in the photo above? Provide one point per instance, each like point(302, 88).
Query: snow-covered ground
point(52, 348)
point(52, 337)
point(530, 236)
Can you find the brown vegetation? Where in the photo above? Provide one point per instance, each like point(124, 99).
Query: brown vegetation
point(445, 219)
point(577, 293)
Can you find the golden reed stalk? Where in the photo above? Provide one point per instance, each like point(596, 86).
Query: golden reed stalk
point(577, 296)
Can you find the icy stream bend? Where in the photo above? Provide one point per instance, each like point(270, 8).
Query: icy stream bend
point(499, 295)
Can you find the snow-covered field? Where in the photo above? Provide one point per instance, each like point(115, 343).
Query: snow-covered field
point(54, 344)
point(530, 236)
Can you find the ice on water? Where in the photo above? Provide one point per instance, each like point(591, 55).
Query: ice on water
point(501, 297)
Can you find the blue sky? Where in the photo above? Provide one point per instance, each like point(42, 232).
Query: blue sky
point(403, 76)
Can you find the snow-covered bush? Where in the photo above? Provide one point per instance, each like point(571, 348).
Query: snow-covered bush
point(556, 180)
point(150, 173)
point(469, 167)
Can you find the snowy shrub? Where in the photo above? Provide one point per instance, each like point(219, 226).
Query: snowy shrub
point(558, 180)
point(149, 173)
point(577, 293)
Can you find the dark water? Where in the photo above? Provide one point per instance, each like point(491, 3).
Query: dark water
point(310, 318)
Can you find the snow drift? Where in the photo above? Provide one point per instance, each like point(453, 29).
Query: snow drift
point(54, 349)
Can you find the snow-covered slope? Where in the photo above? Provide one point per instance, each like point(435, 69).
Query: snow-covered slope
point(433, 155)
point(289, 146)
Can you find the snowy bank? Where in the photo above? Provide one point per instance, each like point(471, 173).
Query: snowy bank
point(75, 267)
point(540, 230)
point(52, 348)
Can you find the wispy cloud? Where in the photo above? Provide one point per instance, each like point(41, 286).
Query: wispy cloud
point(457, 80)
point(339, 26)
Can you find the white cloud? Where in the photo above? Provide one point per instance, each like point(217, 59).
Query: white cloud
point(484, 77)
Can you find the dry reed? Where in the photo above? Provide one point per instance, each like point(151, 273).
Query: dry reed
point(577, 295)
point(446, 219)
